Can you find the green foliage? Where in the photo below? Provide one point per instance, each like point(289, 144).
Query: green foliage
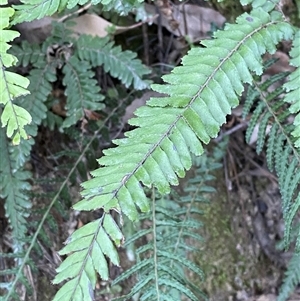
point(34, 10)
point(168, 132)
point(163, 263)
point(271, 116)
point(120, 64)
point(192, 114)
point(13, 117)
point(292, 278)
point(82, 91)
point(293, 88)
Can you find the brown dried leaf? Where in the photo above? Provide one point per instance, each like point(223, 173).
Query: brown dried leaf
point(198, 20)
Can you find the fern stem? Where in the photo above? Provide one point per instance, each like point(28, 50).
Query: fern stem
point(34, 239)
point(155, 245)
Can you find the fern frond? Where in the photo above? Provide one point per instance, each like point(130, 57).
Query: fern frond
point(120, 64)
point(14, 188)
point(163, 268)
point(282, 155)
point(110, 236)
point(171, 128)
point(82, 90)
point(13, 117)
point(28, 54)
point(162, 264)
point(293, 88)
point(37, 9)
point(292, 278)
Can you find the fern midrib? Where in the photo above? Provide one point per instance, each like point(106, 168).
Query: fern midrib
point(154, 147)
point(79, 87)
point(90, 248)
point(155, 245)
point(33, 92)
point(196, 192)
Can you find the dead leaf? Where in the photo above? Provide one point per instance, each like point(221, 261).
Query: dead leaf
point(90, 24)
point(91, 115)
point(268, 297)
point(198, 20)
point(97, 26)
point(36, 31)
point(138, 102)
point(281, 65)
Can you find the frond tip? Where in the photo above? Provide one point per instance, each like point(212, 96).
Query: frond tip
point(87, 258)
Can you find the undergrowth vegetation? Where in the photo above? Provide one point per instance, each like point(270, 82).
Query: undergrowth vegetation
point(54, 86)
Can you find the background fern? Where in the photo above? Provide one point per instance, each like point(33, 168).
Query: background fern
point(282, 155)
point(163, 264)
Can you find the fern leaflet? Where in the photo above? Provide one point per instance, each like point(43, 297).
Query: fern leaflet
point(13, 117)
point(122, 65)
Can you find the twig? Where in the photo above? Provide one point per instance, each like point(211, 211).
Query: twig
point(80, 10)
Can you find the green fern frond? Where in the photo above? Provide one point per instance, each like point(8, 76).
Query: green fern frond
point(282, 156)
point(120, 64)
point(171, 128)
point(110, 236)
point(167, 258)
point(13, 117)
point(13, 186)
point(293, 88)
point(82, 90)
point(292, 278)
point(28, 54)
point(165, 255)
point(35, 10)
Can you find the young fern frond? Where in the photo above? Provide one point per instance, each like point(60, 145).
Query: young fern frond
point(201, 93)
